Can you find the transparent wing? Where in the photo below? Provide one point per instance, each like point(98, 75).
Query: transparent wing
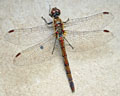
point(36, 54)
point(94, 22)
point(28, 36)
point(87, 40)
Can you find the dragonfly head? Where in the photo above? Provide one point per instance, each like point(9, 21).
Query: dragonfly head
point(55, 12)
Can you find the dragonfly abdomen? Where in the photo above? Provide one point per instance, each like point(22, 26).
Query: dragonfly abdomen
point(66, 64)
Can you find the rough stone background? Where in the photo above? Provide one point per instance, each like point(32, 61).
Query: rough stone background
point(95, 73)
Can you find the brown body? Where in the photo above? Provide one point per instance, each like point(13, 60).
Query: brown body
point(60, 33)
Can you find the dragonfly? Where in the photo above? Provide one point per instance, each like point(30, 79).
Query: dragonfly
point(44, 40)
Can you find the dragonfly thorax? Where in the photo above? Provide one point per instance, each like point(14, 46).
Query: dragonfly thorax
point(58, 27)
point(59, 32)
point(58, 24)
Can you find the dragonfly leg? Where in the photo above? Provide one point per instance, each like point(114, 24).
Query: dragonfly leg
point(66, 21)
point(54, 45)
point(69, 43)
point(46, 21)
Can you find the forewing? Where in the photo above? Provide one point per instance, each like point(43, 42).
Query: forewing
point(94, 22)
point(28, 36)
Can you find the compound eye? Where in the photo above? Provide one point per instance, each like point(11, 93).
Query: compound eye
point(53, 12)
point(57, 10)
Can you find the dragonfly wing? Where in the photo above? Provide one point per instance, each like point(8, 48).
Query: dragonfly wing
point(27, 36)
point(87, 40)
point(36, 54)
point(94, 22)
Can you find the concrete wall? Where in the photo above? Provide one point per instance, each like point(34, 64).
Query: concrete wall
point(95, 72)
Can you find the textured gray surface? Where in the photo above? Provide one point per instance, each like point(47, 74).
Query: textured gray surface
point(95, 73)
